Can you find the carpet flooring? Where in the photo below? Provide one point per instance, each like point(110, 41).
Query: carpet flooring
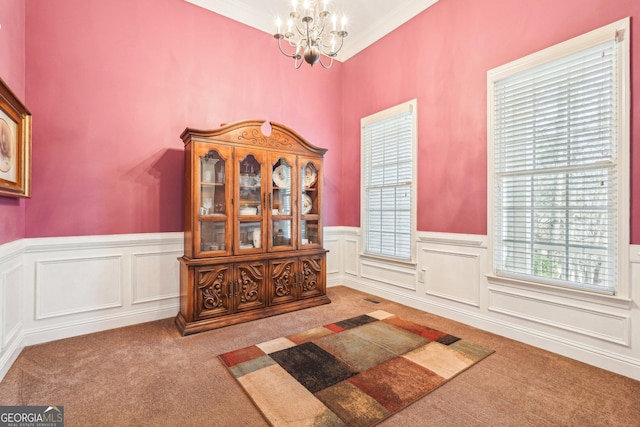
point(355, 372)
point(149, 375)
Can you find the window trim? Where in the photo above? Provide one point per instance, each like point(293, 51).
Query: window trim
point(620, 30)
point(407, 106)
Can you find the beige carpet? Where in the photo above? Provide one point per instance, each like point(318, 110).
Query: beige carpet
point(149, 375)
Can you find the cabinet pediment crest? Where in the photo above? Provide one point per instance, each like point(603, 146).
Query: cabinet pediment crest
point(256, 137)
point(249, 133)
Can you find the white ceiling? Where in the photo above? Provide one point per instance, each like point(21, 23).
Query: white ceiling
point(369, 20)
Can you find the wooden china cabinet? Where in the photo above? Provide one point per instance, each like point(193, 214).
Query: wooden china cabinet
point(252, 225)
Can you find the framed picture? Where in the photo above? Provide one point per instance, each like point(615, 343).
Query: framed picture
point(15, 145)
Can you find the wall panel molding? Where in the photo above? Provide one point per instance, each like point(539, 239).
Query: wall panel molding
point(604, 325)
point(453, 275)
point(67, 286)
point(594, 332)
point(58, 287)
point(389, 274)
point(147, 272)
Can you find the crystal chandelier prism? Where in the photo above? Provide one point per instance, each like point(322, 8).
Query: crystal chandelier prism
point(312, 31)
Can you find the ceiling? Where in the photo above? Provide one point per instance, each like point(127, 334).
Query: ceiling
point(369, 20)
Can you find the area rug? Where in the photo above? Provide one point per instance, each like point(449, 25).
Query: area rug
point(356, 372)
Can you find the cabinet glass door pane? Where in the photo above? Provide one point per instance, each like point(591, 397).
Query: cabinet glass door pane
point(281, 232)
point(250, 235)
point(309, 198)
point(250, 202)
point(281, 195)
point(212, 185)
point(212, 236)
point(308, 232)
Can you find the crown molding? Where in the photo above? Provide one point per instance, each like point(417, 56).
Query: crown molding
point(361, 34)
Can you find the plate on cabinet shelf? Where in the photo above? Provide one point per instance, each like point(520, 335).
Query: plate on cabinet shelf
point(310, 175)
point(307, 204)
point(280, 176)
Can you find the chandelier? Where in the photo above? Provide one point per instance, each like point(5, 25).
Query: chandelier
point(311, 31)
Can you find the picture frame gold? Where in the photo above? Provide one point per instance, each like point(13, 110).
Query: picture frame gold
point(15, 145)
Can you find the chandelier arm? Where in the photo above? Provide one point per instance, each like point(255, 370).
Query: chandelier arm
point(292, 43)
point(301, 32)
point(293, 55)
point(335, 52)
point(324, 23)
point(326, 49)
point(326, 67)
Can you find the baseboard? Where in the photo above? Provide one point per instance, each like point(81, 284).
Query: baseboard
point(54, 288)
point(450, 280)
point(10, 354)
point(97, 324)
point(607, 360)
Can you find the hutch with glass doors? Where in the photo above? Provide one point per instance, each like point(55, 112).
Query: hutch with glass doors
point(252, 225)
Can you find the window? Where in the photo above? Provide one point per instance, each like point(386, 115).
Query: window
point(558, 163)
point(388, 182)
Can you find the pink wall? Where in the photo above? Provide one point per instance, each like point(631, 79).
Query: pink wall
point(441, 58)
point(12, 66)
point(111, 85)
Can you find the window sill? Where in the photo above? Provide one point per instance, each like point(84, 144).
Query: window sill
point(576, 294)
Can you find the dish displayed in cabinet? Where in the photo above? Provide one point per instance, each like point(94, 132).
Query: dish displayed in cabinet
point(307, 204)
point(310, 176)
point(280, 176)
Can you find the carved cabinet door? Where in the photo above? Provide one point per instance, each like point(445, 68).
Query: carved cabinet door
point(213, 291)
point(284, 274)
point(312, 276)
point(249, 289)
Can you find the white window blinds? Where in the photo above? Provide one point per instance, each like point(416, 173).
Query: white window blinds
point(388, 185)
point(556, 171)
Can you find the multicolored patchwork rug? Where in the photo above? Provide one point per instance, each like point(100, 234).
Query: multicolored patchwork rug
point(356, 372)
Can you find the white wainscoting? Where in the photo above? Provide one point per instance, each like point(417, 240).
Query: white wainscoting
point(451, 281)
point(52, 288)
point(11, 296)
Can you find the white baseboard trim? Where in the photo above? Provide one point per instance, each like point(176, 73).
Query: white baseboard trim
point(144, 286)
point(608, 360)
point(55, 288)
point(10, 354)
point(97, 324)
